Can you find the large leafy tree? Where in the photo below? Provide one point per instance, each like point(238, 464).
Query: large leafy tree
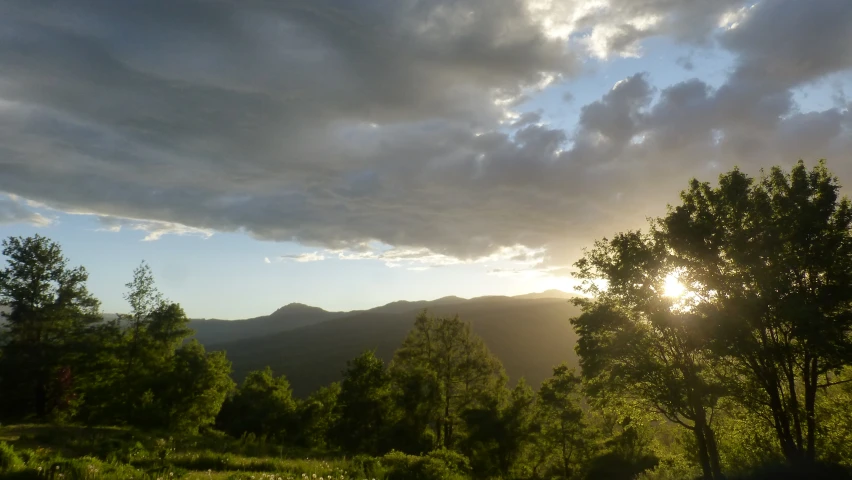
point(366, 406)
point(316, 416)
point(455, 365)
point(770, 260)
point(49, 309)
point(152, 333)
point(636, 341)
point(194, 388)
point(263, 405)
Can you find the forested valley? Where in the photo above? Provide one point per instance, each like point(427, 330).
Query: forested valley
point(716, 343)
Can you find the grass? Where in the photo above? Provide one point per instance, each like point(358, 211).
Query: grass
point(105, 453)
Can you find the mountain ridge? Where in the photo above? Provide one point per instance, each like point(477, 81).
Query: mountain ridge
point(297, 315)
point(529, 335)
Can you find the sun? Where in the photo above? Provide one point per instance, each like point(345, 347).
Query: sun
point(672, 287)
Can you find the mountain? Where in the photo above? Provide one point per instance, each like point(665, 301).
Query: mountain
point(549, 294)
point(296, 315)
point(529, 335)
point(289, 317)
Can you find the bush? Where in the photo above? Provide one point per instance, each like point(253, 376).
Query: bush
point(9, 460)
point(366, 466)
point(437, 465)
point(805, 471)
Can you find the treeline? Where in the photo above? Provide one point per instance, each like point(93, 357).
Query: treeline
point(61, 361)
point(715, 343)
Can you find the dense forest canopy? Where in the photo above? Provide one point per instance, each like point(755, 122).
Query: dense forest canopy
point(716, 342)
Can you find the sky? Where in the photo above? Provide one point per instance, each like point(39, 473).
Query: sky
point(348, 154)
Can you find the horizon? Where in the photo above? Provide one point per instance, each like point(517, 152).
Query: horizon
point(553, 291)
point(348, 155)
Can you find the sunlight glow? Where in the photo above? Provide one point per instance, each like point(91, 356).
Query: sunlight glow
point(672, 287)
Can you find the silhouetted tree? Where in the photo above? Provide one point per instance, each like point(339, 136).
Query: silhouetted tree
point(49, 310)
point(499, 432)
point(445, 354)
point(770, 262)
point(636, 341)
point(263, 405)
point(563, 439)
point(366, 406)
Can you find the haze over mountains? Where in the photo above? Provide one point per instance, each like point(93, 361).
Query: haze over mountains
point(529, 333)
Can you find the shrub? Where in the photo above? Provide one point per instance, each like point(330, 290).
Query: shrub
point(804, 471)
point(366, 466)
point(438, 465)
point(9, 460)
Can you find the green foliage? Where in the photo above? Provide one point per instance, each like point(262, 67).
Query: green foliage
point(770, 265)
point(263, 405)
point(437, 465)
point(456, 369)
point(316, 415)
point(194, 388)
point(365, 406)
point(500, 432)
point(797, 471)
point(49, 310)
point(563, 440)
point(636, 341)
point(9, 460)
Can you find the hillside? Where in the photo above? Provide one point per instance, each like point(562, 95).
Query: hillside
point(289, 317)
point(529, 336)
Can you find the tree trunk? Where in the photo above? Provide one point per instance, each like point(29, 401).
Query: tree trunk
point(796, 411)
point(447, 428)
point(713, 452)
point(40, 399)
point(703, 458)
point(811, 379)
point(782, 421)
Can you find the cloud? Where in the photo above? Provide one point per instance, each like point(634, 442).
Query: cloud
point(154, 229)
point(685, 62)
point(304, 257)
point(343, 124)
point(785, 43)
point(12, 210)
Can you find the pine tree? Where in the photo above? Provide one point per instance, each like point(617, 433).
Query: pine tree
point(50, 309)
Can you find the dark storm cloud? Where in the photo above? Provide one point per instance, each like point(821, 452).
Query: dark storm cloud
point(335, 123)
point(784, 43)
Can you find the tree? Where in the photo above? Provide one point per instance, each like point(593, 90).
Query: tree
point(263, 405)
point(50, 308)
point(636, 341)
point(194, 388)
point(456, 364)
point(98, 363)
point(366, 406)
point(152, 331)
point(499, 433)
point(144, 299)
point(626, 454)
point(771, 262)
point(563, 433)
point(316, 415)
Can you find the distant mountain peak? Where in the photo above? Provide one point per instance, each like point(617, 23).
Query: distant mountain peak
point(448, 299)
point(297, 307)
point(552, 293)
